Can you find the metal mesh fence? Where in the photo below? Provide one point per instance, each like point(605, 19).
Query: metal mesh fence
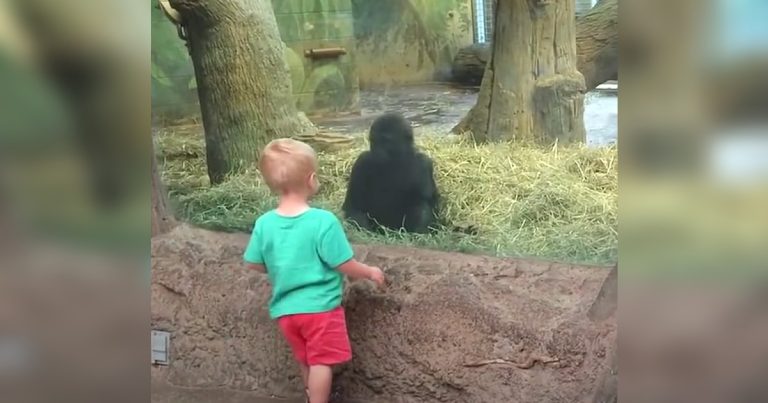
point(485, 11)
point(490, 12)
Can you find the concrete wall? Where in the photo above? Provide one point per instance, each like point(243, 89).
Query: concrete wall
point(322, 85)
point(389, 42)
point(409, 41)
point(329, 85)
point(174, 93)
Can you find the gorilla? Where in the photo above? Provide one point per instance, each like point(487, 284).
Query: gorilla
point(392, 185)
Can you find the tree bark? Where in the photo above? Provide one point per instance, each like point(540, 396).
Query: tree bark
point(597, 41)
point(243, 81)
point(597, 49)
point(531, 90)
point(162, 218)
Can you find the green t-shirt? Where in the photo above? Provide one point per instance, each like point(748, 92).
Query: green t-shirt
point(301, 254)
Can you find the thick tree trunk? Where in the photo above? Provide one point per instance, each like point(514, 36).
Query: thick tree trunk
point(597, 49)
point(162, 218)
point(597, 41)
point(243, 80)
point(531, 90)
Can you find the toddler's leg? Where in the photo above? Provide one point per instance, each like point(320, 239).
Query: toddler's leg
point(305, 377)
point(290, 326)
point(327, 344)
point(320, 378)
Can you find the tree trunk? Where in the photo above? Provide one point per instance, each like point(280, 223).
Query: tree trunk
point(597, 49)
point(597, 41)
point(243, 80)
point(162, 218)
point(531, 90)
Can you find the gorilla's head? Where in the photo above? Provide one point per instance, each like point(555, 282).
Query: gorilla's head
point(391, 134)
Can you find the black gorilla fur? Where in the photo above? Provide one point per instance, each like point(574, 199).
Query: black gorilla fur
point(393, 184)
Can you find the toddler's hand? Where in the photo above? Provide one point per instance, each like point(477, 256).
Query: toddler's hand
point(377, 276)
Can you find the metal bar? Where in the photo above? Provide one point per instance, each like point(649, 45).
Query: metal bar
point(322, 53)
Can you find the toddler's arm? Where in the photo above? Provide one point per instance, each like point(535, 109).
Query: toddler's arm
point(252, 255)
point(355, 269)
point(336, 251)
point(255, 266)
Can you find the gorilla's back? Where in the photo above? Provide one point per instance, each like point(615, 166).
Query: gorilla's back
point(392, 186)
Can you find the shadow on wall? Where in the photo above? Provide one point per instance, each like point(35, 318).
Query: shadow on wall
point(409, 41)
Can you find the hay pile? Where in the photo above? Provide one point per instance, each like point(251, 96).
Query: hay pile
point(525, 201)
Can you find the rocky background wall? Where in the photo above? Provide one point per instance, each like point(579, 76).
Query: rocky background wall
point(449, 328)
point(320, 85)
point(409, 41)
point(388, 43)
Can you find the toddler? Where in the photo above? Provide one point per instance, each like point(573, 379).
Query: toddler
point(304, 252)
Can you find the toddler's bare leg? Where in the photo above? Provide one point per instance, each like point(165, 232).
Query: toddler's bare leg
point(305, 377)
point(320, 378)
point(304, 374)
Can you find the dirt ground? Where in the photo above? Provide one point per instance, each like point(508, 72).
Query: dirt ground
point(429, 107)
point(449, 328)
point(436, 108)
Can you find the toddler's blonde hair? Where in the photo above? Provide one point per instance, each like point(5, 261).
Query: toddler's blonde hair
point(286, 165)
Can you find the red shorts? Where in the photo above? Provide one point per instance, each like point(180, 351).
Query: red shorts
point(317, 338)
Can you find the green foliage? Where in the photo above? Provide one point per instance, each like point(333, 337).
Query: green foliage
point(525, 201)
